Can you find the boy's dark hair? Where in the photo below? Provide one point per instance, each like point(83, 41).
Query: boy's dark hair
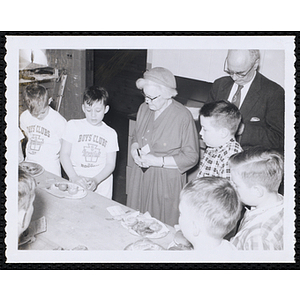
point(258, 165)
point(224, 113)
point(94, 94)
point(35, 96)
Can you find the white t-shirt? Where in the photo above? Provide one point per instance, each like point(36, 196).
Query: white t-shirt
point(44, 137)
point(90, 144)
point(225, 246)
point(21, 135)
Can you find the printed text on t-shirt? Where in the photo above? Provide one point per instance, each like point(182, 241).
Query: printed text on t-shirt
point(90, 137)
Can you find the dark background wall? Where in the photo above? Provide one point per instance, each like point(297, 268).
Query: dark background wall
point(117, 71)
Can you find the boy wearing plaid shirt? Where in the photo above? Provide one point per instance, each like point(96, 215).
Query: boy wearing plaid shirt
point(256, 174)
point(219, 124)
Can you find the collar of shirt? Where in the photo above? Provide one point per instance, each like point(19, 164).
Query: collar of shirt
point(244, 90)
point(256, 211)
point(224, 146)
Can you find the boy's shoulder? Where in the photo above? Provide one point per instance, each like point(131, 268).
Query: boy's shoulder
point(76, 121)
point(55, 114)
point(265, 218)
point(107, 128)
point(82, 123)
point(261, 229)
point(226, 246)
point(229, 148)
point(25, 114)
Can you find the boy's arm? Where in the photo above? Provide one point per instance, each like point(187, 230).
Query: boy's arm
point(106, 171)
point(65, 160)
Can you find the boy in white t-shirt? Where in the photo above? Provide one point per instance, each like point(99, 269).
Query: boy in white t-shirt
point(43, 127)
point(89, 146)
point(209, 209)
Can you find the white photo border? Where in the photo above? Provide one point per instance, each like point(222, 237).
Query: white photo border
point(14, 43)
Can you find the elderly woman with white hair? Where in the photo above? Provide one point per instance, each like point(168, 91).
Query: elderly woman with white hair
point(164, 147)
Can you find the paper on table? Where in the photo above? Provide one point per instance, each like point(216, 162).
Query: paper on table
point(115, 210)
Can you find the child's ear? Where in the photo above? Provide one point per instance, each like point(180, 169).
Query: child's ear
point(258, 190)
point(225, 132)
point(83, 108)
point(106, 109)
point(196, 228)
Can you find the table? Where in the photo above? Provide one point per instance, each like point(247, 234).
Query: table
point(73, 223)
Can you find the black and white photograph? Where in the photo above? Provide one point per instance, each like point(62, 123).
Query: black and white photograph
point(150, 149)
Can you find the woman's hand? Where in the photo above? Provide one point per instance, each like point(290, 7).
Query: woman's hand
point(151, 160)
point(137, 154)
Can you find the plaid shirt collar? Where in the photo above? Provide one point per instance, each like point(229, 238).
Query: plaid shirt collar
point(220, 148)
point(256, 211)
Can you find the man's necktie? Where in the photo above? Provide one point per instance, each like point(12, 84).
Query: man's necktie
point(236, 99)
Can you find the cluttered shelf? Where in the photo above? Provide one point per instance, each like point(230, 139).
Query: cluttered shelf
point(38, 74)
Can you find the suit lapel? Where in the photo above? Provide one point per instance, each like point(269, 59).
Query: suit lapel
point(226, 88)
point(252, 97)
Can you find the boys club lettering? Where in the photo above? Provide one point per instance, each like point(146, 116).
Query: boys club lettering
point(36, 139)
point(92, 150)
point(38, 129)
point(92, 137)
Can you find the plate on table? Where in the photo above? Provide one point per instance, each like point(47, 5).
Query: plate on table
point(144, 245)
point(31, 168)
point(66, 189)
point(145, 226)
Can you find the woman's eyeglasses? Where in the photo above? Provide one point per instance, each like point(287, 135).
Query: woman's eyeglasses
point(146, 96)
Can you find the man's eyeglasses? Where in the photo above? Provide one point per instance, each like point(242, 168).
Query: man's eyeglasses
point(239, 74)
point(146, 96)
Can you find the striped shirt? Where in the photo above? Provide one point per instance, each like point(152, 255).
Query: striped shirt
point(215, 160)
point(261, 229)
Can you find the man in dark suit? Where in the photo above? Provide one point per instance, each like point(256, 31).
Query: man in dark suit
point(260, 100)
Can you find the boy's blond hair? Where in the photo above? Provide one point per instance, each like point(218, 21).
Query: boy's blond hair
point(214, 201)
point(35, 97)
point(26, 190)
point(258, 166)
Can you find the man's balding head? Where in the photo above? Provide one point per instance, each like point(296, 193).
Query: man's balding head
point(242, 64)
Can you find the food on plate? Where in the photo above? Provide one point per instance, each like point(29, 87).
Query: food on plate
point(63, 186)
point(31, 168)
point(65, 189)
point(144, 245)
point(72, 189)
point(130, 221)
point(146, 227)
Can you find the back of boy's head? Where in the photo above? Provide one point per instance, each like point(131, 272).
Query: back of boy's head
point(224, 114)
point(94, 94)
point(35, 97)
point(214, 201)
point(26, 190)
point(258, 166)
